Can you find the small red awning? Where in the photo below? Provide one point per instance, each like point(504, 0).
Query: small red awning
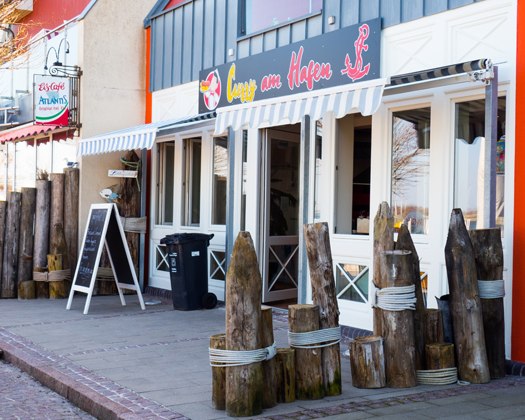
point(29, 130)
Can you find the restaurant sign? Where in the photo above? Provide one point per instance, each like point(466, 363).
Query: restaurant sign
point(344, 56)
point(51, 100)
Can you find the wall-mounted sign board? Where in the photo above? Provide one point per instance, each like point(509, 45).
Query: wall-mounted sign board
point(122, 173)
point(104, 228)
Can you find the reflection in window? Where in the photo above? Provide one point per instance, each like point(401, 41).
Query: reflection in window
point(318, 168)
point(192, 182)
point(410, 168)
point(220, 178)
point(469, 167)
point(351, 281)
point(259, 15)
point(165, 176)
point(244, 177)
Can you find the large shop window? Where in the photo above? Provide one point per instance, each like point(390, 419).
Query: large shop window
point(220, 180)
point(469, 167)
point(352, 207)
point(192, 182)
point(257, 15)
point(165, 185)
point(410, 168)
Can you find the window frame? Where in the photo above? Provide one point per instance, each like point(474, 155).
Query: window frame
point(188, 193)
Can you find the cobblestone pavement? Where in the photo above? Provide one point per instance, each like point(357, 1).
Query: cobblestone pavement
point(21, 397)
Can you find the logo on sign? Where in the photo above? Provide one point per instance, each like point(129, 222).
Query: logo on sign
point(51, 100)
point(211, 90)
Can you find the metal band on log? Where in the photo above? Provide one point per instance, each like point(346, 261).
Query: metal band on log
point(41, 242)
point(244, 384)
point(465, 305)
point(308, 371)
point(367, 362)
point(488, 251)
point(324, 295)
point(11, 245)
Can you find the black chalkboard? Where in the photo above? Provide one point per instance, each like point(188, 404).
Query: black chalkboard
point(117, 252)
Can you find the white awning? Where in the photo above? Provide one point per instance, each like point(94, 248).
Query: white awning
point(364, 97)
point(137, 137)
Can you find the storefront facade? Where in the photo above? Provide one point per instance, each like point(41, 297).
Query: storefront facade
point(298, 158)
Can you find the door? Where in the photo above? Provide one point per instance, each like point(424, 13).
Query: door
point(280, 217)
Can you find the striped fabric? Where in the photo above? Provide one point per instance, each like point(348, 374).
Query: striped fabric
point(364, 97)
point(131, 138)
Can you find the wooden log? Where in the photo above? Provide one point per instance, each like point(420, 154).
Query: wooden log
point(488, 252)
point(398, 326)
point(285, 375)
point(443, 303)
point(11, 245)
point(404, 241)
point(26, 290)
point(308, 369)
point(71, 215)
point(41, 240)
point(218, 375)
point(324, 295)
point(56, 214)
point(3, 216)
point(244, 384)
point(439, 356)
point(25, 250)
point(41, 287)
point(57, 289)
point(269, 366)
point(465, 305)
point(383, 241)
point(367, 362)
point(433, 326)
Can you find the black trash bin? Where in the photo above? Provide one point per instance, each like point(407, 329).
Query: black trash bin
point(188, 258)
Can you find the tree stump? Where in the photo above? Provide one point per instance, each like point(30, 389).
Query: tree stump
point(398, 326)
point(367, 362)
point(488, 251)
point(218, 375)
point(285, 375)
point(405, 242)
point(324, 295)
point(439, 356)
point(269, 366)
point(11, 246)
point(465, 305)
point(433, 326)
point(308, 369)
point(383, 241)
point(25, 250)
point(41, 241)
point(244, 384)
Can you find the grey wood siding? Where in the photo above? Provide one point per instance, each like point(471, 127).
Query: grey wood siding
point(200, 34)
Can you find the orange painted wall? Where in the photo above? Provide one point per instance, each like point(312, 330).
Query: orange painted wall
point(518, 280)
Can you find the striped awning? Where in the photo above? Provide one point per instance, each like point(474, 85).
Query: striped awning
point(28, 131)
point(137, 137)
point(364, 97)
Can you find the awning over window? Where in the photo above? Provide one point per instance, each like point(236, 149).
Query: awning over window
point(25, 131)
point(131, 138)
point(364, 97)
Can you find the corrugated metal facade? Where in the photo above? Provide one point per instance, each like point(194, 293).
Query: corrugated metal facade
point(198, 34)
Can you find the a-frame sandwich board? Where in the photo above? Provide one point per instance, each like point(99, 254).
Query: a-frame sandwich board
point(104, 227)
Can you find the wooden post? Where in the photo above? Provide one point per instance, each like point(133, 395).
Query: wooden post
point(57, 288)
point(56, 214)
point(465, 305)
point(443, 303)
point(3, 218)
point(269, 366)
point(367, 362)
point(308, 370)
point(11, 245)
point(285, 375)
point(324, 295)
point(244, 384)
point(26, 290)
point(433, 326)
point(404, 241)
point(41, 241)
point(398, 326)
point(218, 375)
point(439, 356)
point(25, 251)
point(488, 251)
point(383, 241)
point(71, 201)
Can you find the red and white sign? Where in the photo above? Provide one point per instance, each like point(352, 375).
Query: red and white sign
point(51, 96)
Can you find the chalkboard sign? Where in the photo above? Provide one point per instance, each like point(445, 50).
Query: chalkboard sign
point(104, 227)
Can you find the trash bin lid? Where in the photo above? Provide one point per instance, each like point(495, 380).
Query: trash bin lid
point(182, 238)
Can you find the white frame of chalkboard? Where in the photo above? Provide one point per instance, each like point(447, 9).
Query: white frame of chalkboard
point(110, 207)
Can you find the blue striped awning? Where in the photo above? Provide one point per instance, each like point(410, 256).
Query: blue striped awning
point(364, 97)
point(137, 137)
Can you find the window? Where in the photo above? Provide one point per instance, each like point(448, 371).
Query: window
point(244, 177)
point(318, 168)
point(192, 182)
point(351, 282)
point(220, 180)
point(353, 174)
point(469, 172)
point(165, 186)
point(257, 15)
point(410, 169)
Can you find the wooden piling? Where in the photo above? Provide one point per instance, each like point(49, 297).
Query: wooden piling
point(41, 240)
point(25, 250)
point(3, 219)
point(439, 356)
point(11, 246)
point(218, 375)
point(285, 375)
point(433, 326)
point(71, 202)
point(367, 362)
point(269, 366)
point(56, 214)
